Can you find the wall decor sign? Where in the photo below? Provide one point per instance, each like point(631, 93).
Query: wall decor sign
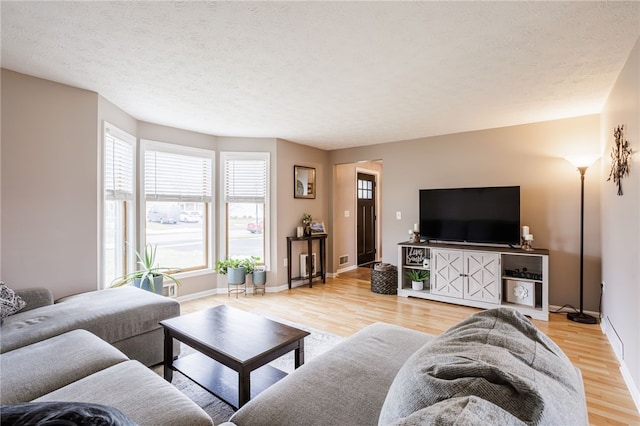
point(304, 182)
point(620, 158)
point(414, 256)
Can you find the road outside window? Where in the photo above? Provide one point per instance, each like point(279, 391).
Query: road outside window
point(179, 231)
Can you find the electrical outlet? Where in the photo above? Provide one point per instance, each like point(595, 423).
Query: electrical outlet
point(398, 215)
point(286, 262)
point(346, 213)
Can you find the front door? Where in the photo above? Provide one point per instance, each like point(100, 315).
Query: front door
point(366, 217)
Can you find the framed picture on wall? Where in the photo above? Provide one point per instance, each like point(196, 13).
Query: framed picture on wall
point(304, 182)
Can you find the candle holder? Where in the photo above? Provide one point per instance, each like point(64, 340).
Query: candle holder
point(415, 238)
point(526, 244)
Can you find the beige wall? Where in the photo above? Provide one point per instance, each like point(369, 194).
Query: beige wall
point(49, 185)
point(530, 156)
point(290, 210)
point(621, 222)
point(51, 159)
point(344, 199)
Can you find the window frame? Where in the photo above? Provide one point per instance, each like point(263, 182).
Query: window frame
point(223, 207)
point(209, 207)
point(128, 204)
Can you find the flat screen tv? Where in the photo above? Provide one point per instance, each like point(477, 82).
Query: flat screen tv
point(489, 215)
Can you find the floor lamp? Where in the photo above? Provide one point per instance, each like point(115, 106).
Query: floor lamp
point(581, 316)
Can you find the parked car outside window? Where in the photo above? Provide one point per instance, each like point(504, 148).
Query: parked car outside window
point(163, 214)
point(255, 227)
point(190, 217)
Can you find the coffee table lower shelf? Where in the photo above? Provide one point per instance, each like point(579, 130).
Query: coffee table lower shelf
point(223, 381)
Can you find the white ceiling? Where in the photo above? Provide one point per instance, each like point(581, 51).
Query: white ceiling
point(329, 74)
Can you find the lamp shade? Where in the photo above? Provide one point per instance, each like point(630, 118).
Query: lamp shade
point(582, 160)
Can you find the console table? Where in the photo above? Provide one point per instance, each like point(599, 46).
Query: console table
point(479, 276)
point(321, 238)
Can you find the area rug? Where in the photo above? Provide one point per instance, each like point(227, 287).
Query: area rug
point(314, 344)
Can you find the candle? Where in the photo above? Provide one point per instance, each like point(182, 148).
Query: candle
point(528, 237)
point(415, 227)
point(525, 231)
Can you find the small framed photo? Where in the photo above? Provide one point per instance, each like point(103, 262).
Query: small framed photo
point(317, 227)
point(304, 182)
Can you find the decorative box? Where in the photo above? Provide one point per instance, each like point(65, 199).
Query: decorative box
point(520, 292)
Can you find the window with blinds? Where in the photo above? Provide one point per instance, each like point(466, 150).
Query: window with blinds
point(171, 176)
point(118, 195)
point(245, 197)
point(178, 191)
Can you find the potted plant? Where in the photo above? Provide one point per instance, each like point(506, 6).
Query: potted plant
point(417, 277)
point(306, 221)
point(149, 276)
point(234, 269)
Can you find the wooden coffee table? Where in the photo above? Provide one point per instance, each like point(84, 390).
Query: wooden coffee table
point(232, 346)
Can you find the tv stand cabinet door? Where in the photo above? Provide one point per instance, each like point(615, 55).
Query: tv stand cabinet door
point(447, 273)
point(482, 276)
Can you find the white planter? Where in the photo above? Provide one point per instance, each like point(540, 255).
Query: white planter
point(417, 285)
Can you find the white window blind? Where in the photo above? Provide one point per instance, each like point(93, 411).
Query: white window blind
point(177, 176)
point(245, 180)
point(118, 165)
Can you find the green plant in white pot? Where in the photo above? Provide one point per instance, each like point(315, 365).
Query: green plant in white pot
point(149, 276)
point(417, 277)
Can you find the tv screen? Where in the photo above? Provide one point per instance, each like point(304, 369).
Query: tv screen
point(488, 215)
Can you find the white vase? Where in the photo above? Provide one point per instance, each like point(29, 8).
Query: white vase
point(417, 285)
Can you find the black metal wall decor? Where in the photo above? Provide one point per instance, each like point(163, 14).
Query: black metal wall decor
point(620, 158)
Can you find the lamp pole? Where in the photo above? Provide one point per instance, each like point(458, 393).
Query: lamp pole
point(581, 316)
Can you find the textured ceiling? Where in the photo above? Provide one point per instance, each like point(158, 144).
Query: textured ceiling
point(329, 74)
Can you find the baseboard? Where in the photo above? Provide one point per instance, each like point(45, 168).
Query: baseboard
point(192, 296)
point(633, 389)
point(553, 308)
point(347, 269)
point(626, 375)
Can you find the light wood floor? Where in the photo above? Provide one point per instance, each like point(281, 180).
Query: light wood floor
point(346, 304)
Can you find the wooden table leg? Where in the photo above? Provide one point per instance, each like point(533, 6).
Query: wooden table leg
point(168, 356)
point(299, 353)
point(289, 262)
point(244, 386)
point(310, 261)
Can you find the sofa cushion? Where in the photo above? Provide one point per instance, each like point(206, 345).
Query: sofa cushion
point(345, 385)
point(10, 302)
point(63, 413)
point(42, 367)
point(138, 392)
point(113, 315)
point(496, 355)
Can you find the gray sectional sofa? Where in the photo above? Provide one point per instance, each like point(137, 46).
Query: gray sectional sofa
point(78, 350)
point(127, 317)
point(495, 367)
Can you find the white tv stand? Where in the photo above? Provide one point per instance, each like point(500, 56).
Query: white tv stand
point(478, 276)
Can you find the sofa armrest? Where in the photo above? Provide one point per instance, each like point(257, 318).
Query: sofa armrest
point(35, 297)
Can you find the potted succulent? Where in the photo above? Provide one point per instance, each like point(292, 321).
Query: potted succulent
point(149, 276)
point(417, 277)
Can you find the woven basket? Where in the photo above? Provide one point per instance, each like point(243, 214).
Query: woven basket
point(384, 282)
